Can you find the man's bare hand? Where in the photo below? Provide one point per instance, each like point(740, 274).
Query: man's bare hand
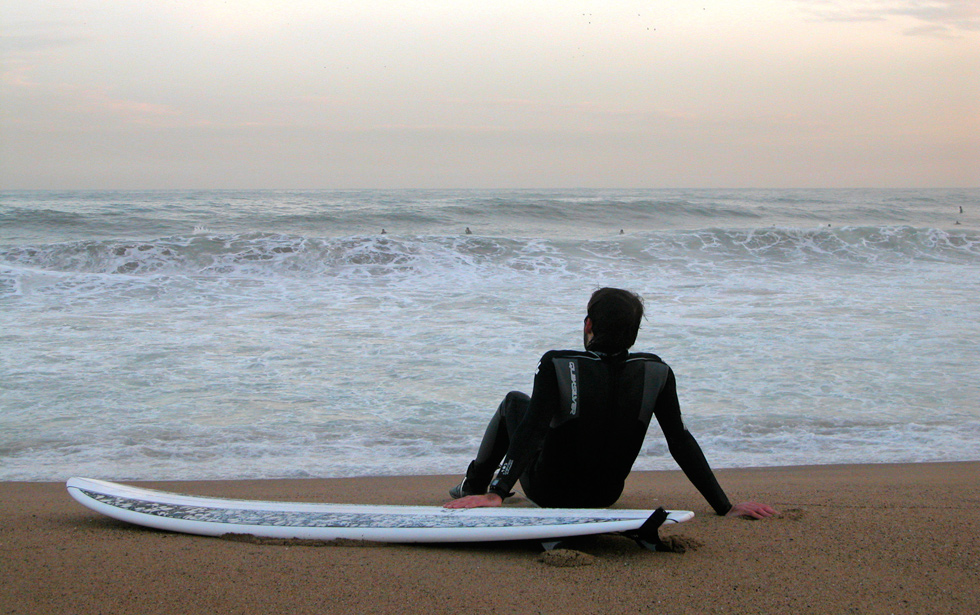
point(476, 501)
point(752, 510)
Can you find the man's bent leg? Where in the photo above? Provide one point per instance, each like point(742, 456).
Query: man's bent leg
point(495, 442)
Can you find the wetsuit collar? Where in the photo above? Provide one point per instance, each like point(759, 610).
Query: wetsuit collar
point(610, 356)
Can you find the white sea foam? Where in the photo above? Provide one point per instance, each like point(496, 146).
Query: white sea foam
point(289, 351)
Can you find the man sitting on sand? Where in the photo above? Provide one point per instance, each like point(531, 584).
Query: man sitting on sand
point(574, 441)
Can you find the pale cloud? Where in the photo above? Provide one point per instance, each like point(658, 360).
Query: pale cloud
point(22, 36)
point(17, 74)
point(222, 18)
point(96, 101)
point(942, 17)
point(54, 105)
point(13, 43)
point(933, 30)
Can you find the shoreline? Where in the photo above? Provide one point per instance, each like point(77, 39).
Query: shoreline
point(145, 482)
point(870, 538)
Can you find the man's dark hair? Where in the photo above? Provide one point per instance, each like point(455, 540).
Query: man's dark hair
point(615, 314)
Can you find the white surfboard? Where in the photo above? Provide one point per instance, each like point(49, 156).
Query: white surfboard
point(218, 516)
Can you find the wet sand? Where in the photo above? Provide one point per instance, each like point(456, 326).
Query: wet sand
point(850, 539)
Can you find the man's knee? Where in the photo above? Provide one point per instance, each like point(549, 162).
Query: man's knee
point(514, 402)
point(516, 397)
point(513, 409)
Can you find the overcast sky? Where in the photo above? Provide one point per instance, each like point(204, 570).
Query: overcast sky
point(490, 94)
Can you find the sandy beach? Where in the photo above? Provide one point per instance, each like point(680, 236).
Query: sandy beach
point(850, 539)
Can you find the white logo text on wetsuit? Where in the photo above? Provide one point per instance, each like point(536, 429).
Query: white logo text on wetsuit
point(573, 377)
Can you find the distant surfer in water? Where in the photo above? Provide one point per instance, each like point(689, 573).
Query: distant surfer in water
point(573, 442)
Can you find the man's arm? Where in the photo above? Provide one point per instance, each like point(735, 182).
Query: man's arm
point(685, 449)
point(689, 456)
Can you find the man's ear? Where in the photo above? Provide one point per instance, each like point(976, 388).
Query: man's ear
point(588, 325)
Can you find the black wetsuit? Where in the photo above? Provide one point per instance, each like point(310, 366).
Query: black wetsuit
point(574, 441)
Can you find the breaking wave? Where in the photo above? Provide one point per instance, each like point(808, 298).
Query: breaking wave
point(262, 254)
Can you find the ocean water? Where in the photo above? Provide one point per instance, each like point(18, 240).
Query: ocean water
point(260, 334)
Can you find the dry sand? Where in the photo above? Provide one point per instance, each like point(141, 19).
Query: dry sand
point(850, 539)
